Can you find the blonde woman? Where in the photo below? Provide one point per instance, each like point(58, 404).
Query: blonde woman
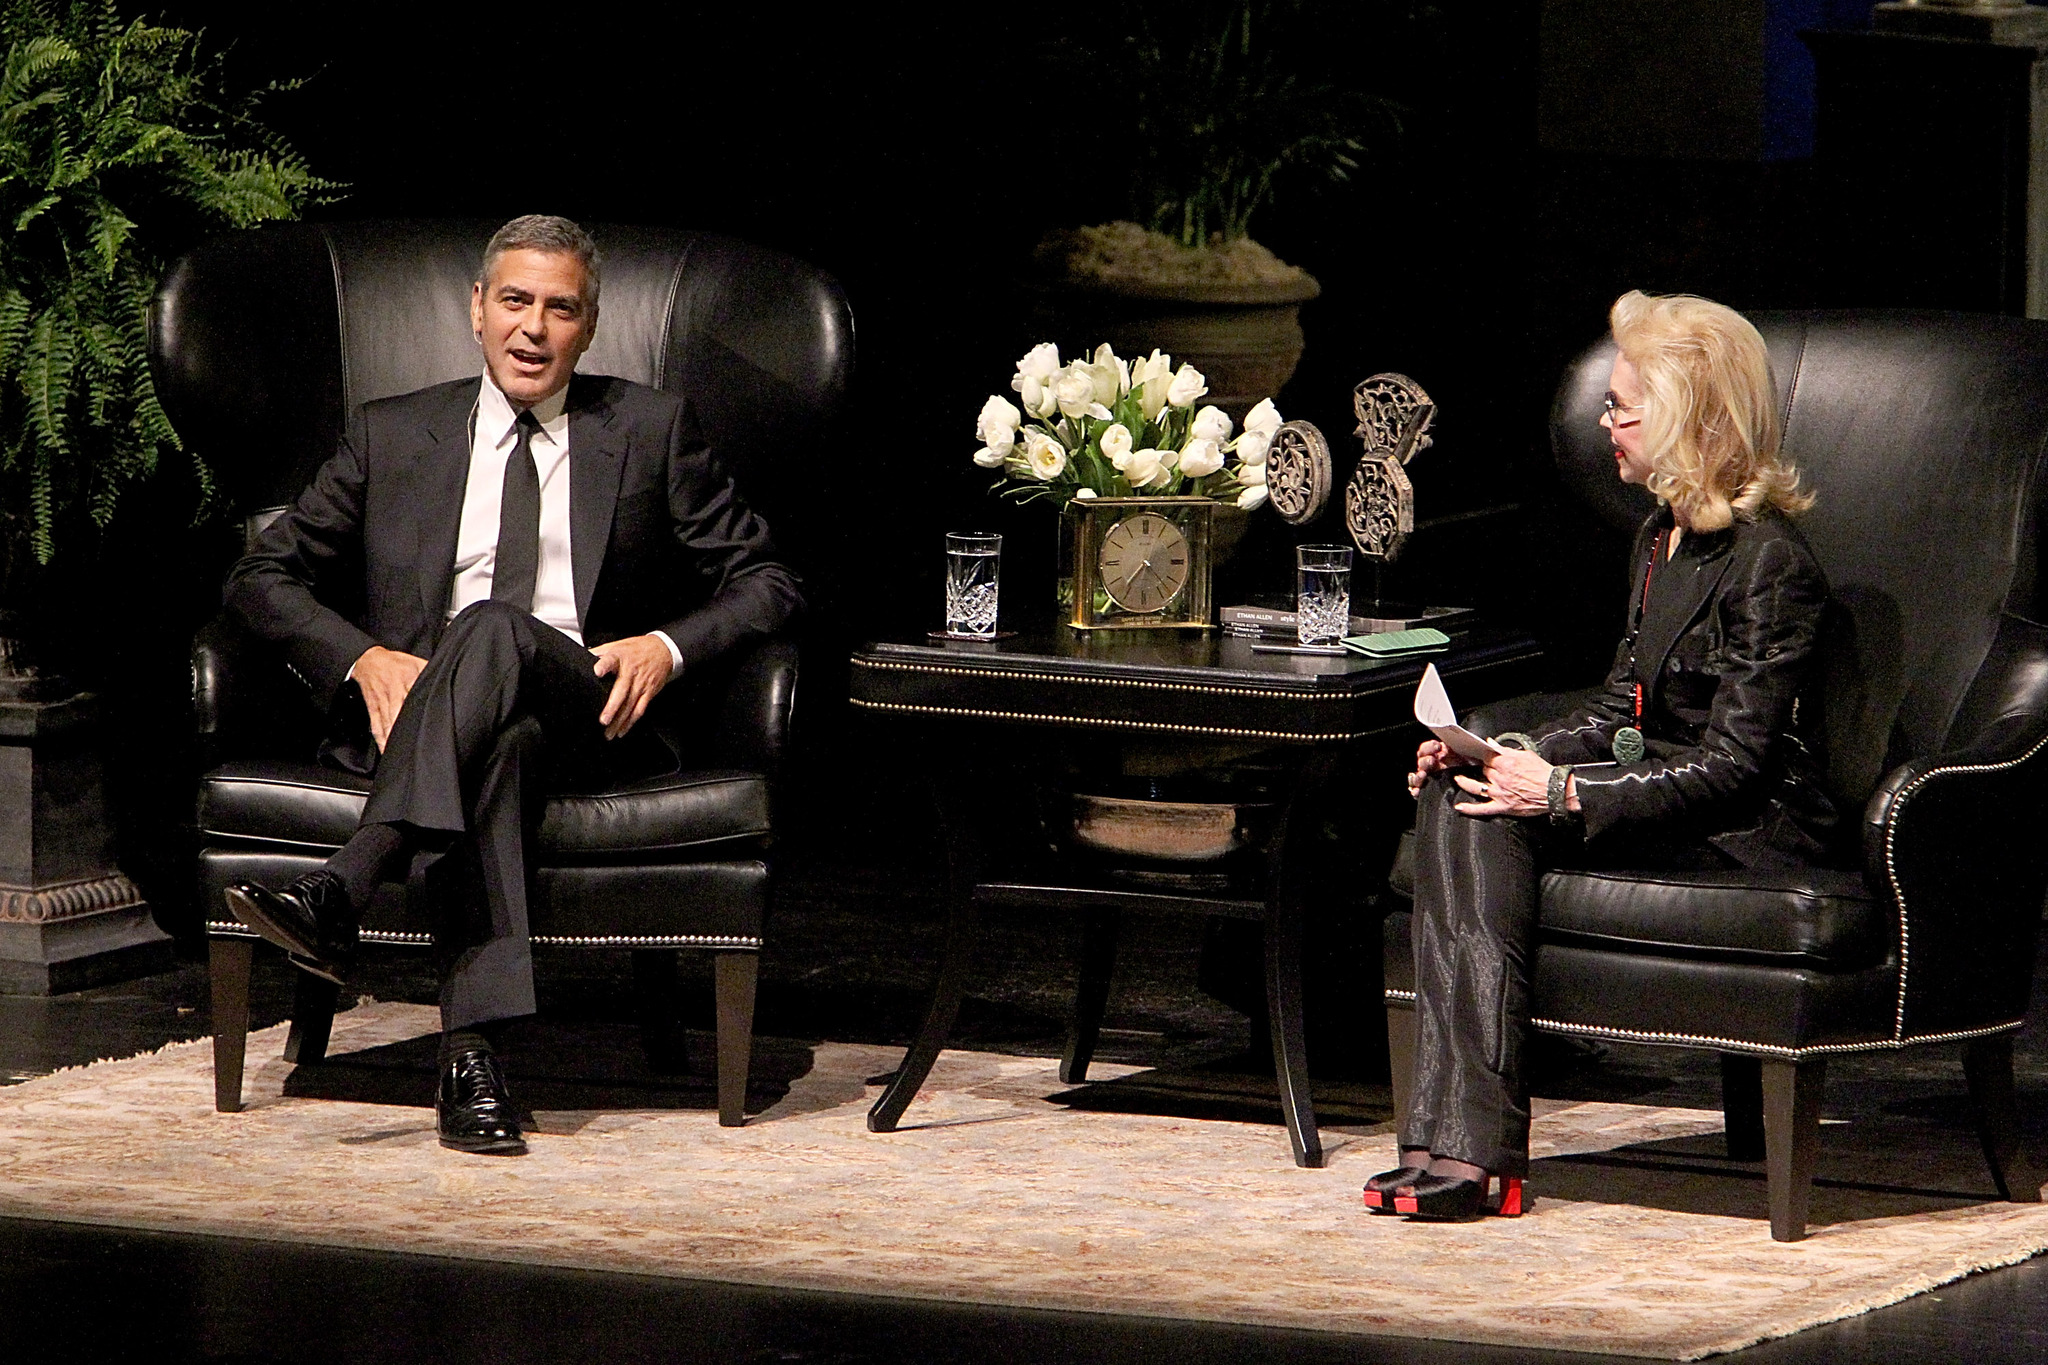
point(1690, 755)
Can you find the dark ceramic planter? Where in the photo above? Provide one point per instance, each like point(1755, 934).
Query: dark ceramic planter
point(1246, 340)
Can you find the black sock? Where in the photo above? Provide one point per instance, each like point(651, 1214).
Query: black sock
point(365, 859)
point(471, 1038)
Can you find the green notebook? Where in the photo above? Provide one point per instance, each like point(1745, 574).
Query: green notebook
point(1391, 644)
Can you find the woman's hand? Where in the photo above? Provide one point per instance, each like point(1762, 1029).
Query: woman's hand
point(1430, 756)
point(1516, 782)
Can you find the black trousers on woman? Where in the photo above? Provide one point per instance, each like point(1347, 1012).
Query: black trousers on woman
point(1477, 880)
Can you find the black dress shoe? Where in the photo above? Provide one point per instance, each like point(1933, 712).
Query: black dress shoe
point(311, 919)
point(1379, 1191)
point(474, 1112)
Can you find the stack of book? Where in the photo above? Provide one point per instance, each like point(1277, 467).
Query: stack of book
point(1277, 623)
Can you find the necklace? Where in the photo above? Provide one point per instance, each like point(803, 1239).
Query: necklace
point(1628, 740)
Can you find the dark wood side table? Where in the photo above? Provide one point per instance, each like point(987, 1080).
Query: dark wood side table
point(1203, 693)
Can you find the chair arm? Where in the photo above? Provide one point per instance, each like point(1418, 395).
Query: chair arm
point(1525, 712)
point(759, 701)
point(245, 699)
point(1952, 840)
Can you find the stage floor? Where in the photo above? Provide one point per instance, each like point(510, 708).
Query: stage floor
point(78, 1293)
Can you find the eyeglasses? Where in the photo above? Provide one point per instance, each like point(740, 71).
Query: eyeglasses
point(1615, 408)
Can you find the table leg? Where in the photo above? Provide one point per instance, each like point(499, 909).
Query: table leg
point(938, 1020)
point(959, 790)
point(1292, 879)
point(1290, 1045)
point(1091, 996)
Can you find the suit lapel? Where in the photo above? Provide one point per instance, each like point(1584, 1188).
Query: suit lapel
point(1699, 587)
point(442, 480)
point(597, 454)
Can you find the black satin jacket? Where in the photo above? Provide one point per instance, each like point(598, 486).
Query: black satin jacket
point(1725, 761)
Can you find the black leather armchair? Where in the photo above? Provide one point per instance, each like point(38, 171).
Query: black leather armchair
point(1924, 436)
point(259, 343)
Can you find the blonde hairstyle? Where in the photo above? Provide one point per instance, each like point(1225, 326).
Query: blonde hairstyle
point(1710, 415)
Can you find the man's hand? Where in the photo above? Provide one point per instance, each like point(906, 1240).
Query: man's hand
point(641, 665)
point(385, 676)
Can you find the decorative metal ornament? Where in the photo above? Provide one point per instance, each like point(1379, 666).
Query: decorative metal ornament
point(1379, 508)
point(1298, 474)
point(1379, 503)
point(1393, 416)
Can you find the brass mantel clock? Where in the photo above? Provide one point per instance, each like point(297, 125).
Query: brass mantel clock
point(1139, 563)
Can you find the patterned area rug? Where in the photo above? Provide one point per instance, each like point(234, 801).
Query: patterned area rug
point(1638, 1242)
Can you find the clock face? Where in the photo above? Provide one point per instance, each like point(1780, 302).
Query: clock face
point(1144, 563)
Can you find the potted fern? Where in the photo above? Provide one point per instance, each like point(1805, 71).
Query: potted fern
point(1212, 116)
point(118, 149)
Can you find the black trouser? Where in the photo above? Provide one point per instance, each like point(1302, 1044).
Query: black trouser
point(505, 710)
point(1476, 885)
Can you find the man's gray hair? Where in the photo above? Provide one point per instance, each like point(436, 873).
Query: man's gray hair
point(544, 232)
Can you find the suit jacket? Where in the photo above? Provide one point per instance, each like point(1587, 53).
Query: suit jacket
point(659, 537)
point(1726, 758)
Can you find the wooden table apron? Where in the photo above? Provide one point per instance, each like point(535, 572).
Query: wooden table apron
point(1201, 690)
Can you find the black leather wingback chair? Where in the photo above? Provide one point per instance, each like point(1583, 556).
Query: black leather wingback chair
point(259, 343)
point(1923, 435)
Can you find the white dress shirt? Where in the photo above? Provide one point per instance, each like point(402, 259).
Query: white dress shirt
point(494, 438)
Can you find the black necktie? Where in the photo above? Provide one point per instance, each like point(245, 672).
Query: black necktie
point(518, 564)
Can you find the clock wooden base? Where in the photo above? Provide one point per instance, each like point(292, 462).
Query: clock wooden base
point(1138, 563)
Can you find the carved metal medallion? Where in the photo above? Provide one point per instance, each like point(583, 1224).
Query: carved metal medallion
point(1298, 476)
point(1393, 416)
point(1379, 503)
point(1379, 507)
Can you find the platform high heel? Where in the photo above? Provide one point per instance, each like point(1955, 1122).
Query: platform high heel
point(1379, 1191)
point(1449, 1199)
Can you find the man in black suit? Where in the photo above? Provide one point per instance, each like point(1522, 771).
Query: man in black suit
point(489, 583)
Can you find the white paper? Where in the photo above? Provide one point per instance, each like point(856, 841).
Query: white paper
point(1433, 709)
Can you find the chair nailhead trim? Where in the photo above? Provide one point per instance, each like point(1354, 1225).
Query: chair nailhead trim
point(1742, 1045)
point(400, 938)
point(1891, 871)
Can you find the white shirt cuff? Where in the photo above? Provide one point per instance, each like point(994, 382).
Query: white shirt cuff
point(675, 656)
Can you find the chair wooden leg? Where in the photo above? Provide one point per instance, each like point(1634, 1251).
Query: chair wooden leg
point(1401, 1057)
point(229, 962)
point(1091, 996)
point(735, 975)
point(313, 1002)
point(1742, 1106)
point(1791, 1140)
point(1987, 1063)
point(657, 1000)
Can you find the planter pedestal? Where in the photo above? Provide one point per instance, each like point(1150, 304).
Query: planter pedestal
point(68, 918)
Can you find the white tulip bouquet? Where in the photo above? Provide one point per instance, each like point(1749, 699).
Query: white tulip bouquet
point(1116, 428)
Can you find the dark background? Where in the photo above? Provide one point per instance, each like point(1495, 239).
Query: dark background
point(1546, 164)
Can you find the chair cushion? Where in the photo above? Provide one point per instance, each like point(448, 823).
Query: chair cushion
point(301, 803)
point(1824, 918)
